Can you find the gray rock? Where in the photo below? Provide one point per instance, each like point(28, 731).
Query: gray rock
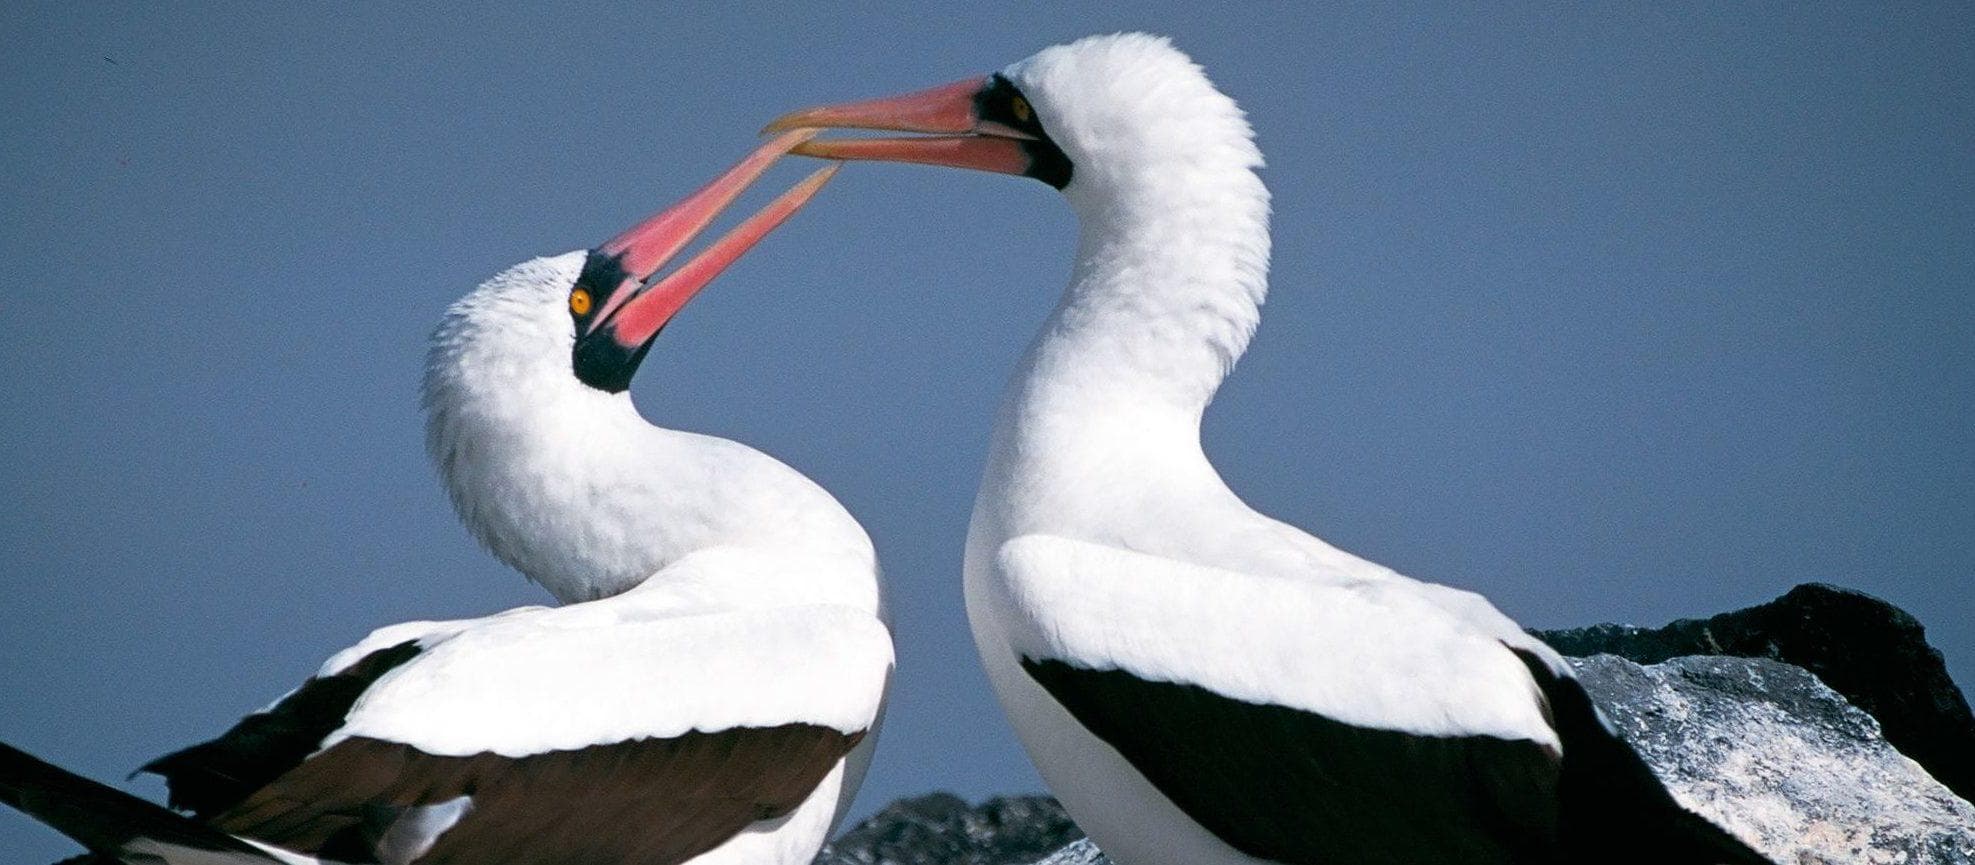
point(1872, 652)
point(1865, 648)
point(941, 829)
point(1080, 852)
point(1769, 752)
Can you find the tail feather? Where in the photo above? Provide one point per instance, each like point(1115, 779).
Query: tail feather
point(104, 819)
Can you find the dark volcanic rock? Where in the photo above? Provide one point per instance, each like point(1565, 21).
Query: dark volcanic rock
point(942, 829)
point(1872, 652)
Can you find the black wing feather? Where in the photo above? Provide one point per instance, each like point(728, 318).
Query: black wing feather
point(102, 818)
point(1286, 785)
point(212, 777)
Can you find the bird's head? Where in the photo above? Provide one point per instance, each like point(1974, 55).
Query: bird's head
point(593, 315)
point(527, 418)
point(1095, 114)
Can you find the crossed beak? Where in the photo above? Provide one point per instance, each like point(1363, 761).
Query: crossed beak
point(617, 320)
point(631, 317)
point(955, 134)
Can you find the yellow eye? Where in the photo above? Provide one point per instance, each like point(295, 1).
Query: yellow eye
point(579, 302)
point(1021, 108)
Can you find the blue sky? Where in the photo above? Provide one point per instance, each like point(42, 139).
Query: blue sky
point(1611, 314)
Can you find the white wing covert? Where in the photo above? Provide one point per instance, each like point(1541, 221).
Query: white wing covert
point(1327, 649)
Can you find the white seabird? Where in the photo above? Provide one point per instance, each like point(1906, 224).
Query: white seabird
point(709, 695)
point(1199, 683)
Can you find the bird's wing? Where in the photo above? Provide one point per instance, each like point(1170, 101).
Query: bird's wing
point(210, 777)
point(1295, 720)
point(571, 736)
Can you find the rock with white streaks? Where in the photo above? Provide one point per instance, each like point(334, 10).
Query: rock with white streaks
point(1770, 753)
point(1873, 653)
point(1078, 852)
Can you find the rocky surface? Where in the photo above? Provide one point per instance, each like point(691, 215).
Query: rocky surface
point(1078, 852)
point(942, 829)
point(1872, 652)
point(1769, 752)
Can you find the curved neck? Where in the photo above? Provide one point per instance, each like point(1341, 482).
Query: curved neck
point(573, 488)
point(1101, 423)
point(1166, 291)
point(538, 468)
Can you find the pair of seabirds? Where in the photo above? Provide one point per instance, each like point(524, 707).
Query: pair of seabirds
point(1198, 683)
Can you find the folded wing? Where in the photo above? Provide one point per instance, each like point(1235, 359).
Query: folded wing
point(1297, 721)
point(553, 736)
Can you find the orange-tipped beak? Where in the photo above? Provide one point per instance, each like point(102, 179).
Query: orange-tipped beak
point(958, 136)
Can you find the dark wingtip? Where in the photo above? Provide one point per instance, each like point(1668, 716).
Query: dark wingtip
point(211, 777)
point(101, 818)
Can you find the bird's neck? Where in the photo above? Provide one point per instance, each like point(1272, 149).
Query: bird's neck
point(1165, 293)
point(1166, 290)
point(572, 487)
point(542, 470)
point(1167, 287)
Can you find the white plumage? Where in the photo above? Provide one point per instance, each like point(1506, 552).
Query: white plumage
point(1103, 539)
point(571, 486)
point(1320, 648)
point(1197, 682)
point(1103, 535)
point(528, 684)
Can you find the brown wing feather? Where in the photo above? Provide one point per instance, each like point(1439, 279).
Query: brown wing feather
point(656, 801)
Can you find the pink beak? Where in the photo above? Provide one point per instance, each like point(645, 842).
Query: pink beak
point(633, 316)
point(959, 137)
